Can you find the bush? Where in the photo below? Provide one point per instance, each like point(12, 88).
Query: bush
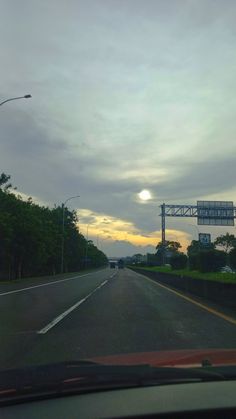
point(178, 261)
point(193, 261)
point(211, 260)
point(232, 258)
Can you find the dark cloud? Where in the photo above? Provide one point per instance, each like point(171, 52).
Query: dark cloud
point(126, 96)
point(44, 167)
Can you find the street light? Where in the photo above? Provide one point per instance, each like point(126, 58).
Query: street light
point(63, 230)
point(16, 98)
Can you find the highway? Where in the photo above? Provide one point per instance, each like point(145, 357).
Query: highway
point(102, 313)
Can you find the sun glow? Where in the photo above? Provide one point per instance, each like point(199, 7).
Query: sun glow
point(144, 195)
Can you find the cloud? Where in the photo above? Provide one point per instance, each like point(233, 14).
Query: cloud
point(126, 97)
point(124, 233)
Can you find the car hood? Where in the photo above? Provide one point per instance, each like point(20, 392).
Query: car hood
point(181, 358)
point(117, 371)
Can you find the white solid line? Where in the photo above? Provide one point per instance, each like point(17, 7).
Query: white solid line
point(65, 313)
point(45, 285)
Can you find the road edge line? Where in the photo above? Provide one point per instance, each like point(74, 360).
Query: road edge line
point(191, 300)
point(58, 281)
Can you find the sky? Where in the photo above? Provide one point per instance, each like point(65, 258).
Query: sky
point(127, 95)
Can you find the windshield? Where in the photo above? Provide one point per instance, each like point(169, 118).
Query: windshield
point(117, 188)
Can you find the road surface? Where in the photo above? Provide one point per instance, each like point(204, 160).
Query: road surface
point(102, 313)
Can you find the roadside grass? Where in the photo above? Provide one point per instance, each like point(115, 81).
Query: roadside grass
point(210, 276)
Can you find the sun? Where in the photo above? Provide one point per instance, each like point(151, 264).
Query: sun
point(144, 195)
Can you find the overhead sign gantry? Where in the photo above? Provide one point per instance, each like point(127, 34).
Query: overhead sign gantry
point(212, 213)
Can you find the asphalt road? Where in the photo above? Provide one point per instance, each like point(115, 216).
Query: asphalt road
point(102, 313)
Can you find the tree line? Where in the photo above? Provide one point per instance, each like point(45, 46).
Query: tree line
point(199, 257)
point(210, 258)
point(31, 237)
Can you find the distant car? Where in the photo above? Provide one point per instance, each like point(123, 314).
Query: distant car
point(112, 265)
point(227, 269)
point(121, 264)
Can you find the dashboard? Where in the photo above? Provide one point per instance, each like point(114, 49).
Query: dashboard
point(192, 400)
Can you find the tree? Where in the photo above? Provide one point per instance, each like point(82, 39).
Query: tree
point(193, 251)
point(171, 246)
point(30, 238)
point(153, 260)
point(137, 258)
point(166, 251)
point(178, 261)
point(4, 181)
point(96, 257)
point(196, 246)
point(227, 242)
point(232, 258)
point(211, 260)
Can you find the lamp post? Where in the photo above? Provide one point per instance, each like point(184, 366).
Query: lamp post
point(63, 230)
point(15, 98)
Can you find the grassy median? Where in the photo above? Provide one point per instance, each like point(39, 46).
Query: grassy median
point(210, 276)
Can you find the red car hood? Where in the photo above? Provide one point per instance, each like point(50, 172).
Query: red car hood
point(181, 358)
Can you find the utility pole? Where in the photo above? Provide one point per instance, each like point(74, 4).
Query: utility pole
point(163, 233)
